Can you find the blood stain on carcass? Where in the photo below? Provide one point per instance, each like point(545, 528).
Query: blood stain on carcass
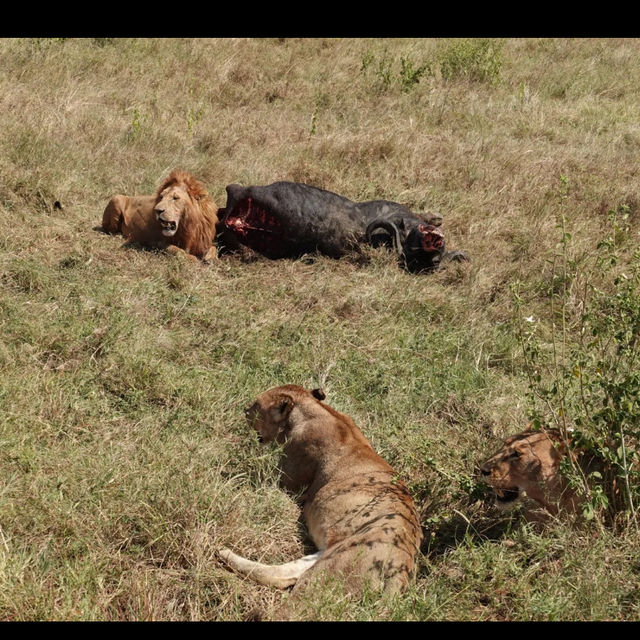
point(257, 228)
point(432, 238)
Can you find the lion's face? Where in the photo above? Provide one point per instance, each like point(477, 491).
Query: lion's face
point(269, 414)
point(170, 208)
point(526, 462)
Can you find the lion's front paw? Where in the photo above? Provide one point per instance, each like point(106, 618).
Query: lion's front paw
point(224, 555)
point(210, 256)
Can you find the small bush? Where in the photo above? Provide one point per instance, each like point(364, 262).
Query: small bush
point(479, 60)
point(387, 74)
point(586, 381)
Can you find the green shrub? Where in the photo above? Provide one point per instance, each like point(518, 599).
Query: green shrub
point(387, 74)
point(584, 378)
point(476, 59)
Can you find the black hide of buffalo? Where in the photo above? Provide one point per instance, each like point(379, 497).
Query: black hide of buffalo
point(289, 219)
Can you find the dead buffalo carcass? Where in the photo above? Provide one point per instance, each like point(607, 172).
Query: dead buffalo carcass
point(289, 219)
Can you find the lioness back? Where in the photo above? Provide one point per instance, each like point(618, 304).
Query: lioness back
point(369, 527)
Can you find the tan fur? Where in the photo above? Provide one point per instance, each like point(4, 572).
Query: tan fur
point(180, 201)
point(360, 516)
point(529, 462)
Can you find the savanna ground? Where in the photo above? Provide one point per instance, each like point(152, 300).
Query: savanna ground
point(125, 460)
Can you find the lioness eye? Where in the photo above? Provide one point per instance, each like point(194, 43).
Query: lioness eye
point(514, 454)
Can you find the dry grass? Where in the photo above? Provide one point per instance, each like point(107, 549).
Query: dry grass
point(124, 457)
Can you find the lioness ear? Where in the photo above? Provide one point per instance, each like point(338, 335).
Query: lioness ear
point(283, 407)
point(318, 394)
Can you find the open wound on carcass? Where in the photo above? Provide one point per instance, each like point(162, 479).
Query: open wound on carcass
point(257, 228)
point(432, 237)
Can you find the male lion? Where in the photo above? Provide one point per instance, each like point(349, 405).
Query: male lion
point(358, 513)
point(529, 462)
point(181, 216)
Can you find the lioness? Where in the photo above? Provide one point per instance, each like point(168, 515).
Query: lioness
point(529, 462)
point(360, 516)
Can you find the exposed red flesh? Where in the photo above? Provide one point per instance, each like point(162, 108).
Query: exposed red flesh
point(256, 228)
point(432, 237)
